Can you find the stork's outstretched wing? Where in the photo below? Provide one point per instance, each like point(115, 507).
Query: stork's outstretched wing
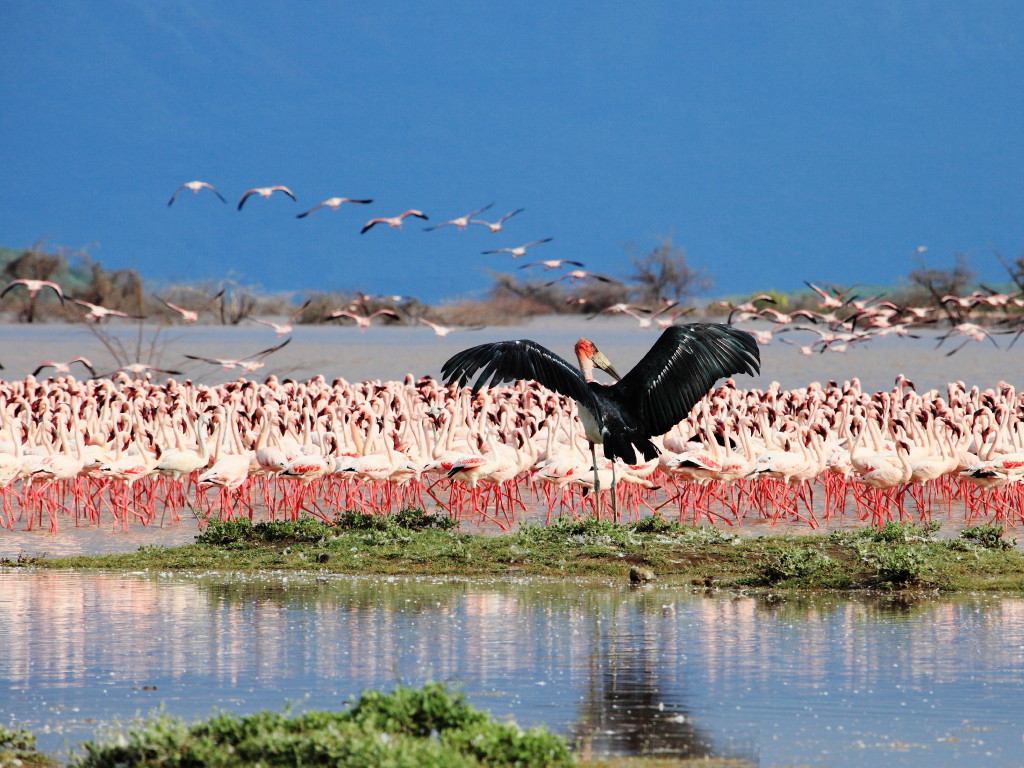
point(681, 367)
point(502, 361)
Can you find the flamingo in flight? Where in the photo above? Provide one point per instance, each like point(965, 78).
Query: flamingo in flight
point(34, 287)
point(394, 222)
point(832, 302)
point(62, 369)
point(362, 321)
point(660, 391)
point(334, 203)
point(264, 192)
point(137, 369)
point(195, 186)
point(552, 264)
point(519, 250)
point(443, 330)
point(95, 312)
point(495, 226)
point(284, 328)
point(579, 274)
point(460, 221)
point(247, 364)
point(190, 315)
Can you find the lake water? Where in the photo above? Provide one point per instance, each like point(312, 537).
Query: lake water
point(830, 680)
point(391, 352)
point(807, 680)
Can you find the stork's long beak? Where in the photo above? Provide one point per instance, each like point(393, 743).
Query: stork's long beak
point(603, 363)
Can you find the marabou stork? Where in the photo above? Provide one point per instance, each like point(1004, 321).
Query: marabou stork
point(681, 367)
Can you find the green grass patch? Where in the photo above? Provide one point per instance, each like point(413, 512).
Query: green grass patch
point(896, 556)
point(428, 727)
point(18, 748)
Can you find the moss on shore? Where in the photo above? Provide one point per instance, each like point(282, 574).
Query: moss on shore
point(897, 556)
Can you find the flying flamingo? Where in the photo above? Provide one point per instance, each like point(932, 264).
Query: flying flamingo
point(972, 331)
point(393, 222)
point(191, 315)
point(195, 186)
point(519, 250)
point(831, 302)
point(362, 321)
point(551, 264)
point(334, 203)
point(579, 274)
point(284, 328)
point(34, 287)
point(460, 222)
point(247, 364)
point(264, 192)
point(657, 394)
point(62, 369)
point(96, 312)
point(443, 330)
point(495, 226)
point(137, 369)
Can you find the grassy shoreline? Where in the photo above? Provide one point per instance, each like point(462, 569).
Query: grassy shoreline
point(897, 556)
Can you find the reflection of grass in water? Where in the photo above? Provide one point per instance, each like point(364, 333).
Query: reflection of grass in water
point(412, 542)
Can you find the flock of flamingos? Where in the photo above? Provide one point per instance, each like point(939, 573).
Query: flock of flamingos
point(129, 449)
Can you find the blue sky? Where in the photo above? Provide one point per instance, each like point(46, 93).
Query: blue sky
point(776, 142)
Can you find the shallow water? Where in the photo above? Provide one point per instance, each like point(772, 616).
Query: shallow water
point(659, 671)
point(391, 352)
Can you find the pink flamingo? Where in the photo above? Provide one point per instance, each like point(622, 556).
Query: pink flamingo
point(264, 192)
point(393, 222)
point(459, 222)
point(496, 226)
point(334, 203)
point(195, 186)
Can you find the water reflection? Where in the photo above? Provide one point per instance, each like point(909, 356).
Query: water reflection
point(620, 672)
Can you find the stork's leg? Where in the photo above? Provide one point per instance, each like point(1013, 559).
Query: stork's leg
point(615, 503)
point(597, 481)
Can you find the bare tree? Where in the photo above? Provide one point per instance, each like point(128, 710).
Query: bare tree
point(664, 273)
point(944, 282)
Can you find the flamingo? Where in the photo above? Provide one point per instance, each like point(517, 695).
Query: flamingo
point(63, 369)
point(495, 226)
point(551, 264)
point(195, 186)
point(191, 315)
point(460, 221)
point(247, 364)
point(831, 302)
point(443, 330)
point(139, 368)
point(334, 203)
point(284, 328)
point(264, 192)
point(95, 312)
point(579, 274)
point(393, 222)
point(519, 250)
point(656, 394)
point(33, 287)
point(362, 321)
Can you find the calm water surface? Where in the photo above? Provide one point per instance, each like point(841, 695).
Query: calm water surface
point(659, 671)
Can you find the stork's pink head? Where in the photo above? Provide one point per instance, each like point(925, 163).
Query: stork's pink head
point(589, 356)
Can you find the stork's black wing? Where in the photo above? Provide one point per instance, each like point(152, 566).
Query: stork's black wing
point(681, 367)
point(502, 361)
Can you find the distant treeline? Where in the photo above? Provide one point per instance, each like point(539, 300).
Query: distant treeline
point(654, 279)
